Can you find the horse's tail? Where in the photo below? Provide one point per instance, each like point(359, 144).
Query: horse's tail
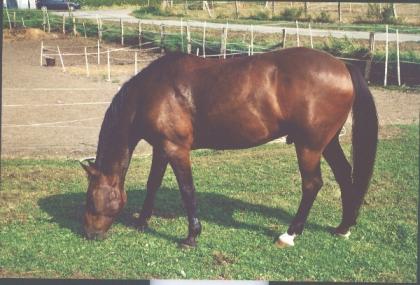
point(364, 138)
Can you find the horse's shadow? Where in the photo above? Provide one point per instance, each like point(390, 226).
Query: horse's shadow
point(67, 211)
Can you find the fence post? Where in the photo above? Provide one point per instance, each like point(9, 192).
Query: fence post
point(135, 63)
point(252, 39)
point(14, 19)
point(97, 24)
point(99, 54)
point(100, 29)
point(74, 26)
point(310, 36)
point(297, 34)
point(386, 57)
point(284, 38)
point(204, 39)
point(109, 66)
point(339, 12)
point(188, 39)
point(61, 59)
point(182, 36)
point(140, 34)
point(87, 63)
point(84, 29)
point(162, 38)
point(225, 32)
point(398, 58)
point(48, 21)
point(64, 24)
point(370, 55)
point(42, 52)
point(44, 20)
point(23, 23)
point(8, 18)
point(122, 31)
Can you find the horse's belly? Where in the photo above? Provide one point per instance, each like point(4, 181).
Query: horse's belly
point(241, 131)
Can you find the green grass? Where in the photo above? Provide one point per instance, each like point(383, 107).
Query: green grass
point(246, 199)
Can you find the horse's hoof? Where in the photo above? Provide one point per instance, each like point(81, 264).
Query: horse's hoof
point(342, 233)
point(285, 240)
point(142, 228)
point(280, 244)
point(187, 244)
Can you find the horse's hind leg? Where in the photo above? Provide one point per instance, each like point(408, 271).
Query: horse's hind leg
point(309, 166)
point(157, 170)
point(341, 168)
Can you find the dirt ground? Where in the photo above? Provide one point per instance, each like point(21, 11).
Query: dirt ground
point(48, 113)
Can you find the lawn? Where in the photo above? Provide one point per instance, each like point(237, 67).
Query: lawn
point(246, 199)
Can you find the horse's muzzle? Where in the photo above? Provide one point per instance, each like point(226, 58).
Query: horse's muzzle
point(95, 235)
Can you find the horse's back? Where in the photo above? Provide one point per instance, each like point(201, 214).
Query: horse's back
point(250, 100)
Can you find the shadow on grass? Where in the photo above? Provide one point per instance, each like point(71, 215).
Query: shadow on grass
point(67, 211)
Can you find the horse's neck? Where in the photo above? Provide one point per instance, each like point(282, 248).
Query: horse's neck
point(116, 142)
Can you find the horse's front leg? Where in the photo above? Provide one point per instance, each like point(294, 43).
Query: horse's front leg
point(179, 159)
point(309, 166)
point(157, 170)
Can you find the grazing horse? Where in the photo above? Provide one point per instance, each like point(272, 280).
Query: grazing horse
point(182, 102)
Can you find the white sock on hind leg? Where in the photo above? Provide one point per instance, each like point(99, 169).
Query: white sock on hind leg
point(287, 239)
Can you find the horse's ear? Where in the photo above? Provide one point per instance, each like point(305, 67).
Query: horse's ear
point(90, 169)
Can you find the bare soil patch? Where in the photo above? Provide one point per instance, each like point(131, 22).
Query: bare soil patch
point(48, 113)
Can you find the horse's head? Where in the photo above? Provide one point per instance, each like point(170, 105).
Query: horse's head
point(105, 199)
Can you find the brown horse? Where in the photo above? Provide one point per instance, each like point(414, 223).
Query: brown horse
point(182, 102)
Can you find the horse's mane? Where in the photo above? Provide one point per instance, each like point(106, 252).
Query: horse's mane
point(110, 125)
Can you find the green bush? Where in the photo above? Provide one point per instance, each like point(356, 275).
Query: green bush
point(152, 10)
point(260, 15)
point(323, 17)
point(291, 14)
point(375, 15)
point(344, 47)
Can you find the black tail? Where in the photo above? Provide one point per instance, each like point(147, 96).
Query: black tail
point(365, 137)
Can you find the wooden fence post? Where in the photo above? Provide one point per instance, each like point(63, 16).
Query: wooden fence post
point(84, 29)
point(87, 63)
point(109, 66)
point(339, 12)
point(64, 24)
point(122, 31)
point(386, 57)
point(284, 38)
point(162, 38)
point(48, 22)
point(8, 18)
point(236, 10)
point(99, 53)
point(135, 63)
point(368, 65)
point(310, 36)
point(252, 39)
point(23, 23)
point(225, 41)
point(204, 39)
point(182, 36)
point(42, 52)
point(44, 20)
point(61, 59)
point(74, 26)
point(140, 34)
point(398, 58)
point(188, 39)
point(297, 34)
